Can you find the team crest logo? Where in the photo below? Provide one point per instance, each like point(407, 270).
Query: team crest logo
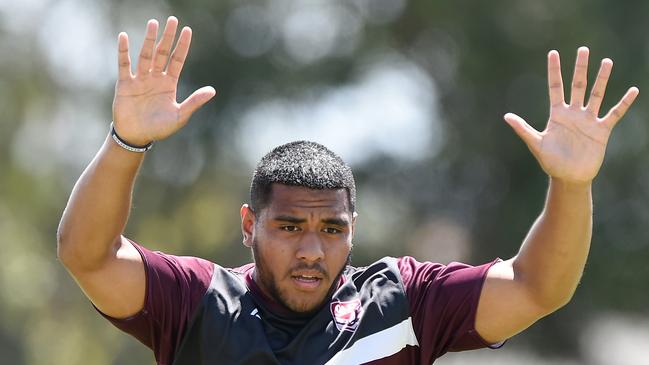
point(346, 315)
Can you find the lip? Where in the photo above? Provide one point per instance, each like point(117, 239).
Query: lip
point(306, 285)
point(315, 273)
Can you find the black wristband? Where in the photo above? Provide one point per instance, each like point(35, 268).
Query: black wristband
point(122, 143)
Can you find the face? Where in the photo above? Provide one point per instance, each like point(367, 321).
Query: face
point(301, 243)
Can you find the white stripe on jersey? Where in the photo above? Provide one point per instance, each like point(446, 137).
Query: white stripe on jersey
point(377, 345)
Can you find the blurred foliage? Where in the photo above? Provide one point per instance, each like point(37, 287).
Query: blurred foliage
point(472, 200)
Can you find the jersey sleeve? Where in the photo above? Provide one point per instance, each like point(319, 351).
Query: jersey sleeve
point(443, 304)
point(174, 288)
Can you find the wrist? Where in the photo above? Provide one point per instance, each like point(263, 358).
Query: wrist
point(570, 186)
point(131, 147)
point(118, 157)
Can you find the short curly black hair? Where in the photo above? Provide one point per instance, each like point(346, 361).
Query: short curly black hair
point(301, 163)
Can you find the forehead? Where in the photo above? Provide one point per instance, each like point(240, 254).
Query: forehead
point(295, 198)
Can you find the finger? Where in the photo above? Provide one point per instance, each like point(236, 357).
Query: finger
point(555, 82)
point(599, 88)
point(617, 112)
point(123, 58)
point(146, 53)
point(529, 135)
point(580, 78)
point(163, 49)
point(180, 53)
point(195, 101)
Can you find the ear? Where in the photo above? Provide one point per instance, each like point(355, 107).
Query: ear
point(247, 224)
point(354, 215)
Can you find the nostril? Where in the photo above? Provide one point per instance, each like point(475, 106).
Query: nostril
point(311, 252)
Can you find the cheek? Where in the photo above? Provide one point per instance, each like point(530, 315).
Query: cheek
point(339, 252)
point(274, 254)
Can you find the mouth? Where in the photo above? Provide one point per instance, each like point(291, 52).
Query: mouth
point(307, 281)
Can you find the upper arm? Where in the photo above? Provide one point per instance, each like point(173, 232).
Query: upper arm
point(506, 305)
point(117, 286)
point(443, 302)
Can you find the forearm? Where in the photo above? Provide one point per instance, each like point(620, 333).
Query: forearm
point(98, 208)
point(548, 267)
point(552, 257)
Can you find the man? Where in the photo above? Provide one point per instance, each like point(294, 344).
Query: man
point(300, 302)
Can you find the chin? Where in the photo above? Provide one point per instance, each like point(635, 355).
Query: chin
point(304, 308)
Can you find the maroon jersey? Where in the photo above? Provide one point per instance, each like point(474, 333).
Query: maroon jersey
point(395, 311)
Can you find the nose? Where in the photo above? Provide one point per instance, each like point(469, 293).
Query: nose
point(310, 248)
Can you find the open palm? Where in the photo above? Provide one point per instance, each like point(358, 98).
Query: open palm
point(145, 107)
point(573, 144)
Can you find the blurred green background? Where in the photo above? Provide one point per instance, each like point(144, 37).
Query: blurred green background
point(411, 93)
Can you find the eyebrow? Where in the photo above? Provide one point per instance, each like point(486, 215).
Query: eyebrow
point(289, 219)
point(295, 220)
point(336, 221)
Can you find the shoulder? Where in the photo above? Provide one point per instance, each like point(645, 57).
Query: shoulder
point(231, 281)
point(174, 288)
point(414, 272)
point(381, 266)
point(385, 269)
point(160, 265)
point(244, 269)
point(407, 268)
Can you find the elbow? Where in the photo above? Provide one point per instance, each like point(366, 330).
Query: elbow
point(82, 254)
point(546, 294)
point(566, 298)
point(61, 243)
point(553, 300)
point(63, 246)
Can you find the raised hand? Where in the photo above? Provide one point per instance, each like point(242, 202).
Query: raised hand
point(145, 107)
point(573, 144)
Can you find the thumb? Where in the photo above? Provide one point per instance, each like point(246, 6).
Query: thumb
point(529, 135)
point(194, 101)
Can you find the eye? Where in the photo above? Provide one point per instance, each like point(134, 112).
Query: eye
point(290, 228)
point(332, 230)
